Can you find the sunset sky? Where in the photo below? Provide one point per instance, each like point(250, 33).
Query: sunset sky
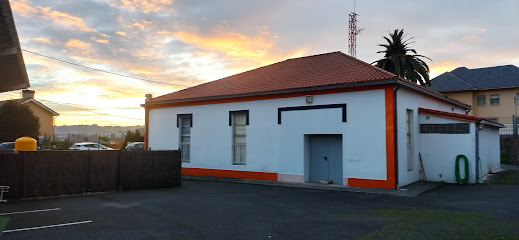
point(188, 42)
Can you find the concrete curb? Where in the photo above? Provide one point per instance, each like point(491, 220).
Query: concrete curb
point(411, 190)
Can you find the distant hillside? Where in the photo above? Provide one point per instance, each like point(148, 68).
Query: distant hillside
point(94, 129)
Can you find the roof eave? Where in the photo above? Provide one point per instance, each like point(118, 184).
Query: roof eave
point(493, 124)
point(433, 93)
point(11, 31)
point(54, 113)
point(363, 84)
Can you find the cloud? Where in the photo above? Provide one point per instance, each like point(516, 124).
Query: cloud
point(42, 39)
point(230, 43)
point(105, 41)
point(24, 8)
point(142, 24)
point(76, 43)
point(246, 51)
point(121, 33)
point(437, 68)
point(142, 5)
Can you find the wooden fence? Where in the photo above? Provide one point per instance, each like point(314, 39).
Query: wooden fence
point(53, 173)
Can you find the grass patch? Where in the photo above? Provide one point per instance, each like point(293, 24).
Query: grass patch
point(3, 223)
point(438, 224)
point(508, 177)
point(505, 159)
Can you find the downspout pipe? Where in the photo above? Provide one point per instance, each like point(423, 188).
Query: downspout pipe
point(478, 162)
point(395, 90)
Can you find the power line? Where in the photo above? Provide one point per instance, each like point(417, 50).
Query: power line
point(82, 105)
point(86, 110)
point(104, 71)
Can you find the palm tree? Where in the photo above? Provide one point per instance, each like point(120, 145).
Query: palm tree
point(402, 60)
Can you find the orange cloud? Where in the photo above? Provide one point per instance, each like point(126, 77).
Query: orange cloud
point(121, 33)
point(233, 44)
point(438, 68)
point(105, 41)
point(142, 25)
point(104, 35)
point(246, 51)
point(76, 43)
point(142, 5)
point(23, 8)
point(42, 39)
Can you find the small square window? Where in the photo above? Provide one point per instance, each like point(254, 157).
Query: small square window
point(482, 100)
point(494, 100)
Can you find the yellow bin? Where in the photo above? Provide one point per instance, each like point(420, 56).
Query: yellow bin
point(25, 144)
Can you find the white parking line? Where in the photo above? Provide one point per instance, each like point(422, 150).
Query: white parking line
point(48, 226)
point(30, 211)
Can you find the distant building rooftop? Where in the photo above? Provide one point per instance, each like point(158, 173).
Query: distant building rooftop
point(463, 78)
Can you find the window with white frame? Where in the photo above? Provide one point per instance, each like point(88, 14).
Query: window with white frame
point(494, 99)
point(185, 122)
point(239, 139)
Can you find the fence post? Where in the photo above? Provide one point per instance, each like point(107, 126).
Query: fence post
point(118, 173)
point(87, 182)
point(514, 121)
point(22, 188)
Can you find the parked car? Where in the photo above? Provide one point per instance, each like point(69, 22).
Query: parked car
point(7, 147)
point(135, 146)
point(89, 146)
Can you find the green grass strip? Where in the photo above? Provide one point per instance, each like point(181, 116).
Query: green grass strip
point(417, 223)
point(3, 223)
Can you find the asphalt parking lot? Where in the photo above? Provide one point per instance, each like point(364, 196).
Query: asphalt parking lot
point(219, 210)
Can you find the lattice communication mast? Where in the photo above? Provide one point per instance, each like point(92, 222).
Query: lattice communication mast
point(352, 38)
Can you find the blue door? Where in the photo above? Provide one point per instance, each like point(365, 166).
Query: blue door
point(326, 158)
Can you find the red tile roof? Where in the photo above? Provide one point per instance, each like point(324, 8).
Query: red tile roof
point(327, 69)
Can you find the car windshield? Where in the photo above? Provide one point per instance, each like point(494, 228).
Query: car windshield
point(7, 146)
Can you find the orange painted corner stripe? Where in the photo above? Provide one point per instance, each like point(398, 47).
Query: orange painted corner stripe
point(147, 124)
point(358, 182)
point(229, 173)
point(446, 115)
point(390, 149)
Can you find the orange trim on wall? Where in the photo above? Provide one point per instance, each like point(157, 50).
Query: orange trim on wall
point(146, 125)
point(265, 97)
point(390, 181)
point(449, 115)
point(230, 173)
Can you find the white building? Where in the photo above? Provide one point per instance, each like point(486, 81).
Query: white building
point(323, 117)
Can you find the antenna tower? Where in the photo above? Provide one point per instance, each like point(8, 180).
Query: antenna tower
point(352, 38)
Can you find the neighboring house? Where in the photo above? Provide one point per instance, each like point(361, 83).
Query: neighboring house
point(13, 75)
point(326, 117)
point(44, 113)
point(492, 91)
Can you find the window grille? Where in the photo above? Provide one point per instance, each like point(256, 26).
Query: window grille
point(448, 128)
point(185, 123)
point(239, 144)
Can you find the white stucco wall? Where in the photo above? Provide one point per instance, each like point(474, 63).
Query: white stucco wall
point(439, 151)
point(409, 99)
point(280, 148)
point(489, 150)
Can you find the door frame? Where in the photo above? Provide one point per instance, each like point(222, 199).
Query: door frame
point(307, 155)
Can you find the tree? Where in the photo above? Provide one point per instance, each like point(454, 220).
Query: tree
point(402, 60)
point(17, 120)
point(132, 137)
